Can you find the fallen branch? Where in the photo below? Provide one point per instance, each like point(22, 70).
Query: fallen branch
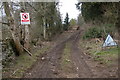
point(27, 51)
point(32, 6)
point(15, 71)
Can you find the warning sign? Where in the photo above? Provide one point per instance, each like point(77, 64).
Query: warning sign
point(109, 42)
point(25, 18)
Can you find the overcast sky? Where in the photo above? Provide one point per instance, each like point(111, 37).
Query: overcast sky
point(69, 6)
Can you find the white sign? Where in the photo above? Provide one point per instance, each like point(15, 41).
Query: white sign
point(109, 41)
point(25, 18)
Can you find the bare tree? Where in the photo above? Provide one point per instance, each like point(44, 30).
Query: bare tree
point(12, 27)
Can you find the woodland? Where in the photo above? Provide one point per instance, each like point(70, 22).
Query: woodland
point(100, 18)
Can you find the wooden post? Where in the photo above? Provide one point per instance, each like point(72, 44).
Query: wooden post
point(44, 22)
point(44, 27)
point(27, 40)
point(26, 30)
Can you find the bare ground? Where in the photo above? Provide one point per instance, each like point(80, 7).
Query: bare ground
point(48, 64)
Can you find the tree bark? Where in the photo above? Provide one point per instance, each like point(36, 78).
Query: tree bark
point(27, 40)
point(13, 28)
point(26, 30)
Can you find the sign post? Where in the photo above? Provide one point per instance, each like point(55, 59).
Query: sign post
point(25, 18)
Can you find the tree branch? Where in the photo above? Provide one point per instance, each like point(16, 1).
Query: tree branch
point(4, 23)
point(32, 6)
point(1, 6)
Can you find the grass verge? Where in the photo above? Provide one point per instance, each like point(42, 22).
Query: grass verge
point(21, 64)
point(65, 60)
point(94, 49)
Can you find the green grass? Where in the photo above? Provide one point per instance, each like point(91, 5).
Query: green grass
point(22, 63)
point(106, 55)
point(65, 61)
point(113, 50)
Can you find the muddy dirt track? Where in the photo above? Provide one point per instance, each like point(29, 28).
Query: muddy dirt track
point(48, 64)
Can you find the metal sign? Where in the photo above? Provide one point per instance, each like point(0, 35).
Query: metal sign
point(25, 18)
point(109, 42)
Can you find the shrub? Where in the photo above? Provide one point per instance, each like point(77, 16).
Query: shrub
point(93, 32)
point(99, 31)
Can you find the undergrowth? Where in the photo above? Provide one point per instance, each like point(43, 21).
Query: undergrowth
point(21, 64)
point(99, 31)
point(106, 55)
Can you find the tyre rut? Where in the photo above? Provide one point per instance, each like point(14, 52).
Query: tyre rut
point(79, 59)
point(48, 68)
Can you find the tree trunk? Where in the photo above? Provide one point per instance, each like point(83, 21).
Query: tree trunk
point(13, 28)
point(26, 33)
point(27, 40)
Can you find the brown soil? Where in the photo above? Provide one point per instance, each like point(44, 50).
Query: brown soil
point(48, 64)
